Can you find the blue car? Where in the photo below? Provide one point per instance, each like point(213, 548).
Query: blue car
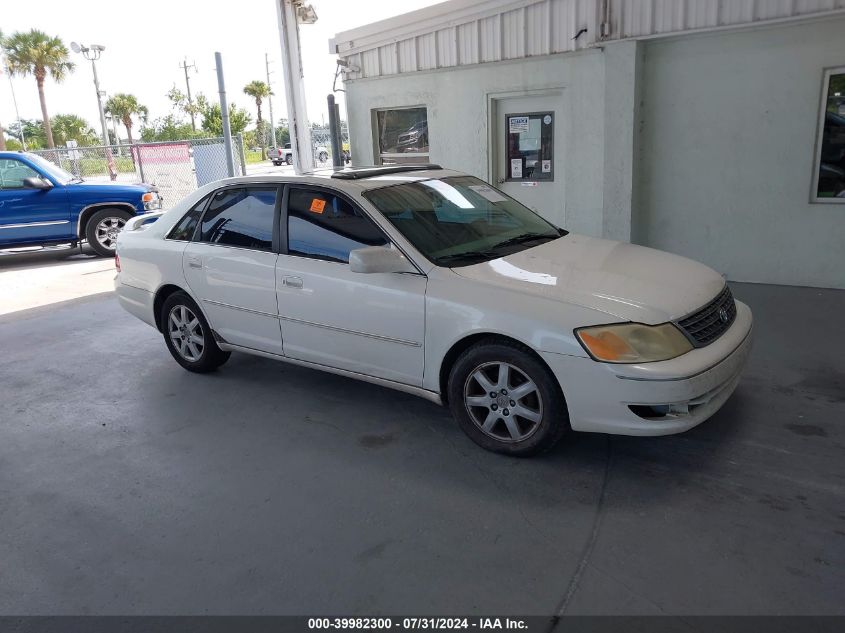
point(43, 205)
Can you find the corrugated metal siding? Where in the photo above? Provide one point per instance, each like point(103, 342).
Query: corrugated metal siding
point(524, 28)
point(638, 18)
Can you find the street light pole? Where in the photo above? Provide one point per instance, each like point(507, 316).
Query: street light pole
point(92, 54)
point(270, 103)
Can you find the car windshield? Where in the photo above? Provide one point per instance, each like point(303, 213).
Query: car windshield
point(461, 220)
point(51, 169)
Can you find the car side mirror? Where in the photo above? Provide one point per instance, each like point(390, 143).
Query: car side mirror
point(37, 183)
point(379, 259)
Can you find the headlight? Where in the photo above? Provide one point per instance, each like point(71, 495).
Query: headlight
point(633, 342)
point(151, 201)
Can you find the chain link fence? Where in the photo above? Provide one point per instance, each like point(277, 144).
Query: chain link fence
point(176, 168)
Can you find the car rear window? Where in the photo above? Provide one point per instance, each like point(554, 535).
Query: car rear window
point(187, 226)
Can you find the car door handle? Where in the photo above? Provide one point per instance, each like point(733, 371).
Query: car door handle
point(194, 262)
point(292, 282)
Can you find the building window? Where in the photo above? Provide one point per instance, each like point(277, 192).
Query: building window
point(830, 160)
point(530, 143)
point(402, 135)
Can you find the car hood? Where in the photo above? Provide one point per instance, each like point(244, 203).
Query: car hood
point(629, 282)
point(139, 187)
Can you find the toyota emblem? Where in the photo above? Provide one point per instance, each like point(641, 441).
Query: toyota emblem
point(723, 315)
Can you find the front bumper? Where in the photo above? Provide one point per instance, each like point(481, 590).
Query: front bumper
point(667, 397)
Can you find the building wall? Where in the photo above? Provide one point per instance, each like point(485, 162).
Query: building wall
point(726, 152)
point(457, 102)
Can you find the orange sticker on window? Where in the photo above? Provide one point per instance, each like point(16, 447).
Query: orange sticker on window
point(317, 205)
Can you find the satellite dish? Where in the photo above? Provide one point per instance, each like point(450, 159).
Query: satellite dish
point(75, 47)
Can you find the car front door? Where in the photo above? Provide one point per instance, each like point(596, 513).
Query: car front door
point(31, 215)
point(373, 324)
point(230, 266)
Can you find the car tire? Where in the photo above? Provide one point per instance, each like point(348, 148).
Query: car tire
point(102, 228)
point(506, 400)
point(277, 163)
point(188, 335)
point(289, 159)
point(322, 157)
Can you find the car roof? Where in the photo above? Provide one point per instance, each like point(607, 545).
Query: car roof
point(363, 177)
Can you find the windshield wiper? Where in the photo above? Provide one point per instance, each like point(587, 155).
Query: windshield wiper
point(467, 256)
point(524, 237)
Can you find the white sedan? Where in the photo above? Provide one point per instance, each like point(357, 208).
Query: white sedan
point(432, 282)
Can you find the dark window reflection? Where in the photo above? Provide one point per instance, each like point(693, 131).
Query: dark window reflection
point(403, 131)
point(241, 217)
point(832, 163)
point(325, 226)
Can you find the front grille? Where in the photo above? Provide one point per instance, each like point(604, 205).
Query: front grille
point(707, 324)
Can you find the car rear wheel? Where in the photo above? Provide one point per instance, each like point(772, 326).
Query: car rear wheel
point(506, 400)
point(289, 159)
point(188, 335)
point(102, 228)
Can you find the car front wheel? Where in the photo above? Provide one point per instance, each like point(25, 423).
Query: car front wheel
point(506, 400)
point(102, 229)
point(188, 335)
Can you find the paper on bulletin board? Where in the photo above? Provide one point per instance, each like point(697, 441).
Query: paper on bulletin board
point(488, 193)
point(547, 166)
point(516, 168)
point(517, 124)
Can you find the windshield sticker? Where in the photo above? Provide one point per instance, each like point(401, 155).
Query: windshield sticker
point(518, 124)
point(516, 168)
point(317, 205)
point(488, 193)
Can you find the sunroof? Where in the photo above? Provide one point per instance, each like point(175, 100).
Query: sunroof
point(356, 173)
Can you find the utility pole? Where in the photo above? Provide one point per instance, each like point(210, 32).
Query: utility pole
point(270, 103)
point(291, 14)
point(185, 66)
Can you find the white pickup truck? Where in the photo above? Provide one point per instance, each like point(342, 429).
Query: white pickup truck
point(284, 154)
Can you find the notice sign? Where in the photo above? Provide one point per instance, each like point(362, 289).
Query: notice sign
point(516, 168)
point(488, 192)
point(547, 166)
point(517, 124)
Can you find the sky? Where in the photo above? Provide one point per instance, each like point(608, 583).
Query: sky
point(146, 43)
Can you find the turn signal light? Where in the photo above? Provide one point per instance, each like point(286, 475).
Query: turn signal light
point(117, 262)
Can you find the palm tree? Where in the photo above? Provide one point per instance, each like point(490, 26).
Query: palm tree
point(71, 127)
point(259, 91)
point(125, 106)
point(36, 53)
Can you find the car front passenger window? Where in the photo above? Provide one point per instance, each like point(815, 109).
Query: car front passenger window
point(325, 226)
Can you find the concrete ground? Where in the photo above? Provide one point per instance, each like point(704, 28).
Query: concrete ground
point(130, 486)
point(41, 278)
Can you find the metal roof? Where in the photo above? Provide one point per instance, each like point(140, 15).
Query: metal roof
point(467, 32)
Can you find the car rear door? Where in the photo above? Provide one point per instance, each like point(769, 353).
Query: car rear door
point(230, 266)
point(31, 215)
point(372, 324)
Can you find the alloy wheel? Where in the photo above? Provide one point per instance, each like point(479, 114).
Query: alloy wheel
point(186, 333)
point(107, 230)
point(503, 401)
